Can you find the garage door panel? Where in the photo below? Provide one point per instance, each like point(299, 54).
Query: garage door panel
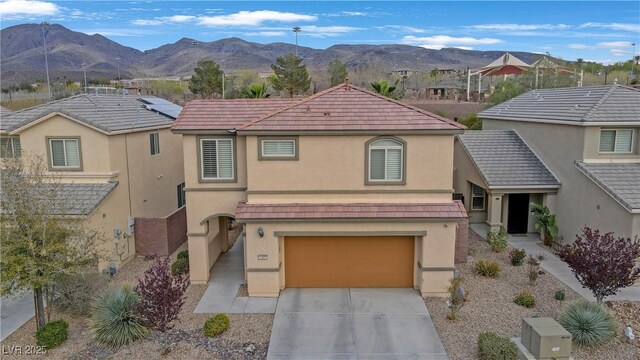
point(316, 261)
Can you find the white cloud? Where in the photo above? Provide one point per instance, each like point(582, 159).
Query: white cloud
point(267, 33)
point(254, 18)
point(620, 52)
point(441, 41)
point(401, 28)
point(614, 44)
point(16, 8)
point(119, 32)
point(164, 20)
point(519, 27)
point(180, 18)
point(580, 46)
point(326, 31)
point(145, 22)
point(355, 13)
point(612, 26)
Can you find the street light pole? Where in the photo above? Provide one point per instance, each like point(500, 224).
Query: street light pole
point(118, 63)
point(84, 70)
point(45, 26)
point(296, 29)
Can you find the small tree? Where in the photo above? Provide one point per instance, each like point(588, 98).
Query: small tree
point(546, 223)
point(383, 88)
point(337, 72)
point(39, 243)
point(602, 263)
point(207, 79)
point(161, 295)
point(290, 75)
point(255, 91)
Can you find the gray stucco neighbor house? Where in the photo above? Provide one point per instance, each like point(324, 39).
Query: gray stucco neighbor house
point(575, 150)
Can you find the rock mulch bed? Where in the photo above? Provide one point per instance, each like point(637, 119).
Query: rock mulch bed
point(247, 337)
point(490, 307)
point(243, 291)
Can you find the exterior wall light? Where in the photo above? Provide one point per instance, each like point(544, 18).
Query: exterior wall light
point(261, 232)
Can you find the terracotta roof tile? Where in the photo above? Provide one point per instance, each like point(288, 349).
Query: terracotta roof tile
point(246, 211)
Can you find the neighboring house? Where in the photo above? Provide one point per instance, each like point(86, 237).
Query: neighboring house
point(345, 188)
point(118, 161)
point(575, 150)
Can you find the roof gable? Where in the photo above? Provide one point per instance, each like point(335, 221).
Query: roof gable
point(620, 180)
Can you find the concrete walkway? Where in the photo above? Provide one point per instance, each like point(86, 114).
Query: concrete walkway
point(226, 277)
point(353, 324)
point(558, 268)
point(15, 311)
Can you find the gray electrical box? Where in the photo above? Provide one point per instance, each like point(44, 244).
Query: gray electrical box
point(546, 339)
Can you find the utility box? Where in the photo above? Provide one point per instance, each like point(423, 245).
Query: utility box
point(546, 339)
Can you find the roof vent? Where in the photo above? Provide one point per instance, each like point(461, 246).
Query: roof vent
point(327, 113)
point(308, 108)
point(576, 107)
point(541, 98)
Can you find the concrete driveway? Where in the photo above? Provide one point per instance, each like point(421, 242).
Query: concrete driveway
point(353, 324)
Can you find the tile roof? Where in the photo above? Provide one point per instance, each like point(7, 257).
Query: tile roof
point(105, 112)
point(76, 199)
point(582, 105)
point(505, 160)
point(4, 111)
point(226, 114)
point(347, 107)
point(620, 180)
point(341, 108)
point(246, 211)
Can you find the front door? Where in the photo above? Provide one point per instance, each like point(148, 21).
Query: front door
point(518, 219)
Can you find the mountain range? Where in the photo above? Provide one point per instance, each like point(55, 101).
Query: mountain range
point(22, 56)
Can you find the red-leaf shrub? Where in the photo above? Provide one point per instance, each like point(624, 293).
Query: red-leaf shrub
point(602, 263)
point(161, 295)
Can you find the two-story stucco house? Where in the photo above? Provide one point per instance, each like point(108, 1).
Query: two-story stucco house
point(575, 150)
point(345, 188)
point(118, 160)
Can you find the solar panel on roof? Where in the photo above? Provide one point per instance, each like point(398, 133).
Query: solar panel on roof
point(162, 106)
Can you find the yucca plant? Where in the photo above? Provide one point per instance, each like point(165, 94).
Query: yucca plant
point(114, 321)
point(589, 323)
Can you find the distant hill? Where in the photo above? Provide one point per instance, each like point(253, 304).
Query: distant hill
point(22, 56)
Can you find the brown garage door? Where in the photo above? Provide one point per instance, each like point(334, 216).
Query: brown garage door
point(348, 261)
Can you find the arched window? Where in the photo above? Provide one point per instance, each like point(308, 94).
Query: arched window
point(385, 161)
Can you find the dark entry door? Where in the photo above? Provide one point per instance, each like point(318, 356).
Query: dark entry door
point(518, 218)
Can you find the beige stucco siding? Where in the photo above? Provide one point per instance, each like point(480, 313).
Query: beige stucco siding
point(190, 148)
point(592, 145)
point(465, 173)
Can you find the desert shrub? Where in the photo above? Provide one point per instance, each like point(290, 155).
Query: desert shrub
point(589, 323)
point(559, 295)
point(457, 297)
point(603, 263)
point(52, 334)
point(525, 299)
point(75, 293)
point(184, 254)
point(114, 321)
point(497, 239)
point(517, 256)
point(180, 266)
point(492, 346)
point(534, 269)
point(216, 325)
point(488, 268)
point(161, 295)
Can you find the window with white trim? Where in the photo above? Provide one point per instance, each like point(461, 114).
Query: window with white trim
point(65, 153)
point(10, 147)
point(182, 197)
point(278, 148)
point(386, 158)
point(154, 143)
point(616, 140)
point(478, 196)
point(216, 159)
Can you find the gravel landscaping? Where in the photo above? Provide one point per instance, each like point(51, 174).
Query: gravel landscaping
point(490, 307)
point(247, 337)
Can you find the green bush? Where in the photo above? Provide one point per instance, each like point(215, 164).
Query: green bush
point(517, 256)
point(114, 321)
point(180, 266)
point(497, 239)
point(492, 346)
point(216, 325)
point(559, 295)
point(525, 299)
point(589, 323)
point(75, 293)
point(184, 254)
point(488, 268)
point(52, 334)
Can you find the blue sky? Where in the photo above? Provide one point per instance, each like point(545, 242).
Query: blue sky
point(599, 31)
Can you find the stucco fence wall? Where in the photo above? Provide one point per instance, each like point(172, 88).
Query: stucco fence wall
point(161, 236)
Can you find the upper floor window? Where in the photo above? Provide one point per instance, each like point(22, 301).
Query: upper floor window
point(278, 149)
point(64, 153)
point(154, 143)
point(616, 140)
point(385, 161)
point(477, 197)
point(217, 159)
point(10, 147)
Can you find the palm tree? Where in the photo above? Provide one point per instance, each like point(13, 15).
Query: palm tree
point(383, 88)
point(256, 91)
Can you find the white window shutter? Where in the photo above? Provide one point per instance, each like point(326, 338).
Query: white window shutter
point(394, 164)
point(377, 164)
point(225, 159)
point(73, 155)
point(623, 140)
point(57, 153)
point(607, 140)
point(209, 159)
